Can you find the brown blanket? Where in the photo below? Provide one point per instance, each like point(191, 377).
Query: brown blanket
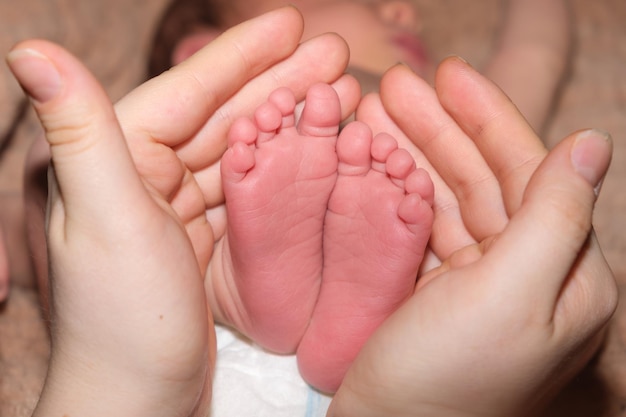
point(112, 37)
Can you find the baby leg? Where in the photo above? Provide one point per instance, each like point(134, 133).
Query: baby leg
point(277, 178)
point(377, 226)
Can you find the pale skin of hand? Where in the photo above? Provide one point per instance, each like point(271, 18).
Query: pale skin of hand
point(176, 146)
point(188, 166)
point(201, 157)
point(523, 294)
point(62, 368)
point(129, 245)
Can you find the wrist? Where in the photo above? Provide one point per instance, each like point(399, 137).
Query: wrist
point(88, 388)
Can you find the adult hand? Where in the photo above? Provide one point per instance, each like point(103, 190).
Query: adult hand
point(128, 238)
point(250, 68)
point(193, 128)
point(176, 124)
point(129, 323)
point(519, 302)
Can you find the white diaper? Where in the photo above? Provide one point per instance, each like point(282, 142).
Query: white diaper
point(251, 382)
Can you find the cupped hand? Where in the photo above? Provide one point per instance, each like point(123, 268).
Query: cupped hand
point(129, 239)
point(176, 124)
point(177, 141)
point(522, 294)
point(126, 291)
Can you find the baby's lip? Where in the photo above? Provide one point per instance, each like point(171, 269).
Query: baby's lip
point(414, 51)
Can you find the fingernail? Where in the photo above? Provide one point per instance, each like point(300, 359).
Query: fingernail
point(460, 59)
point(591, 156)
point(37, 75)
point(399, 64)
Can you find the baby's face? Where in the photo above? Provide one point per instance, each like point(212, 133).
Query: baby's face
point(380, 33)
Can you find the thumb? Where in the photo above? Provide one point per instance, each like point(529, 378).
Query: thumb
point(94, 170)
point(551, 233)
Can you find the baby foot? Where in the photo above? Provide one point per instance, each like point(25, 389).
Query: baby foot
point(277, 178)
point(377, 226)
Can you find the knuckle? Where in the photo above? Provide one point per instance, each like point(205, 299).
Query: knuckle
point(68, 129)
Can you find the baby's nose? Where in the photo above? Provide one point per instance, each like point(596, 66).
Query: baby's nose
point(401, 13)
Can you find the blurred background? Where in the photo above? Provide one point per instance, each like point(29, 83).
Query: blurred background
point(113, 38)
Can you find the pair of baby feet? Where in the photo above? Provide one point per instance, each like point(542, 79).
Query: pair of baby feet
point(326, 230)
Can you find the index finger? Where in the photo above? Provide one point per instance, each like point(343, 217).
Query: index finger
point(183, 98)
point(507, 142)
point(449, 231)
point(298, 72)
point(415, 108)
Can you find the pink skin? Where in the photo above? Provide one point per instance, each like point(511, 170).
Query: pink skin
point(377, 226)
point(305, 208)
point(277, 179)
point(380, 33)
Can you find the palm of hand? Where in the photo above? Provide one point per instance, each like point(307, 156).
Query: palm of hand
point(144, 253)
point(513, 309)
point(130, 252)
point(172, 183)
point(128, 301)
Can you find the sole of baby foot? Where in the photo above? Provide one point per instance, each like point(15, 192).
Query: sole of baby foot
point(376, 230)
point(277, 177)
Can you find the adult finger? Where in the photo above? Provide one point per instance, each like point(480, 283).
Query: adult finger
point(184, 97)
point(209, 178)
point(349, 91)
point(301, 70)
point(415, 108)
point(547, 253)
point(96, 176)
point(504, 138)
point(449, 231)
